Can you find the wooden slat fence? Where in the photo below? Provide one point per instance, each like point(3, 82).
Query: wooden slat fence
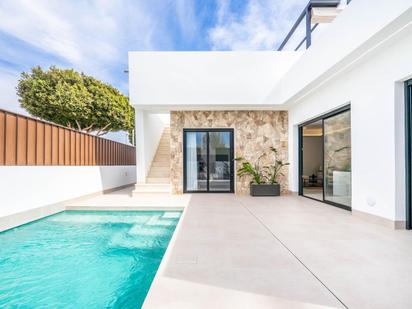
point(29, 141)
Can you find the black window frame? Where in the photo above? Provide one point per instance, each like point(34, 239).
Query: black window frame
point(338, 111)
point(408, 153)
point(232, 158)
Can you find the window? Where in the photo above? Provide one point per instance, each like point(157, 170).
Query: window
point(325, 158)
point(208, 160)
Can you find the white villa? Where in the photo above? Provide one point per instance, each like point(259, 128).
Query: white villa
point(337, 108)
point(112, 225)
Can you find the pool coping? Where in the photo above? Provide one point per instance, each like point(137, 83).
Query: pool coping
point(167, 255)
point(11, 221)
point(125, 208)
point(21, 218)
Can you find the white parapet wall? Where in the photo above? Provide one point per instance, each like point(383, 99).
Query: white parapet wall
point(205, 80)
point(23, 188)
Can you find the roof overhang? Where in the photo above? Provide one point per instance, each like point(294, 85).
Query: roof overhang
point(205, 80)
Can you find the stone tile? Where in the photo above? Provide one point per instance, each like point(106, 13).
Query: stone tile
point(255, 132)
point(240, 262)
point(234, 254)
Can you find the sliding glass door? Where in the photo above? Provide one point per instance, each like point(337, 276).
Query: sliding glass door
point(325, 159)
point(196, 161)
point(337, 158)
point(408, 146)
point(208, 160)
point(312, 160)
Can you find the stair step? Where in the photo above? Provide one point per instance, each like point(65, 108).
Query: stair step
point(157, 165)
point(160, 168)
point(162, 180)
point(151, 188)
point(160, 164)
point(162, 156)
point(159, 173)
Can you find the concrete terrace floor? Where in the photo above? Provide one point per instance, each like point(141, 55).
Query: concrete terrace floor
point(286, 252)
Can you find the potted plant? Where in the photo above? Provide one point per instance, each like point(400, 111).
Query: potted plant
point(273, 171)
point(264, 179)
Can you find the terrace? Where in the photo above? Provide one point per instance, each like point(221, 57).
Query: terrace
point(195, 113)
point(290, 252)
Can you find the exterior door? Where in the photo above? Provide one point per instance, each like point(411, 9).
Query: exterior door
point(325, 159)
point(208, 160)
point(408, 135)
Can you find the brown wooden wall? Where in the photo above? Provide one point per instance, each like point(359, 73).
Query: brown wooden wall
point(28, 141)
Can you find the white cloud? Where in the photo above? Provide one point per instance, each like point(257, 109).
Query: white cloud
point(92, 36)
point(185, 10)
point(262, 26)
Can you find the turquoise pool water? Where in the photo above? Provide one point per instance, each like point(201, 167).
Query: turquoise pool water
point(79, 259)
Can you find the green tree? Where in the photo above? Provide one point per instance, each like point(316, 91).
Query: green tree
point(75, 100)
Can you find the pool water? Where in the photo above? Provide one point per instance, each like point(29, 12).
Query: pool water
point(82, 259)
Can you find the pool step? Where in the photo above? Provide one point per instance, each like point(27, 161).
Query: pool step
point(159, 222)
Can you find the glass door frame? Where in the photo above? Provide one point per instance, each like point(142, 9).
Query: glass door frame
point(231, 154)
point(408, 152)
point(301, 159)
point(300, 147)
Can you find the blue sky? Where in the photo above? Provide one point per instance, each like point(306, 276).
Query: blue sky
point(94, 36)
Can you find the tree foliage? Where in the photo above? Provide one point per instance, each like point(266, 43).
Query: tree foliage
point(76, 100)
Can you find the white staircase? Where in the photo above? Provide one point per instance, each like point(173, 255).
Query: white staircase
point(158, 178)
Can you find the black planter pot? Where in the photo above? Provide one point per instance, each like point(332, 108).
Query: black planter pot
point(264, 190)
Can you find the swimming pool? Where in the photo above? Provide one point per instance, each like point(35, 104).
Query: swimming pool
point(83, 259)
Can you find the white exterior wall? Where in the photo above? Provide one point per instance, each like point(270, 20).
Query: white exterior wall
point(373, 86)
point(27, 187)
point(360, 28)
point(205, 80)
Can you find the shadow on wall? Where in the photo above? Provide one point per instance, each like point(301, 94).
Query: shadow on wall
point(114, 176)
point(28, 187)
